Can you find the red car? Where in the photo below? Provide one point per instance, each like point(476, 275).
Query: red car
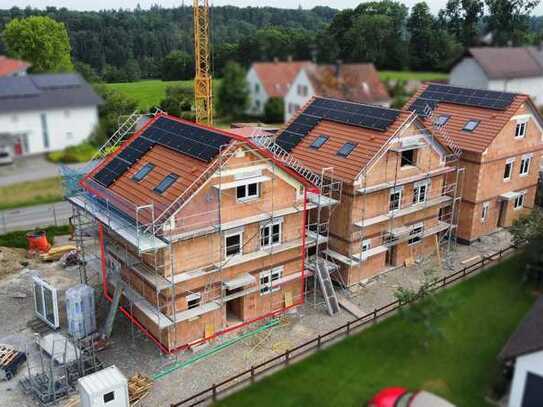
point(401, 397)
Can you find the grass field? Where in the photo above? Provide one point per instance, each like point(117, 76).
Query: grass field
point(18, 238)
point(410, 75)
point(31, 193)
point(149, 93)
point(461, 366)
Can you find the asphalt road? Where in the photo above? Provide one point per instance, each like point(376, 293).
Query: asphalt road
point(35, 216)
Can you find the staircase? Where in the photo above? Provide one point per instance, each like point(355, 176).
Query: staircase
point(327, 288)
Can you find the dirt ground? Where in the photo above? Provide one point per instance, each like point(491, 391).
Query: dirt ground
point(132, 352)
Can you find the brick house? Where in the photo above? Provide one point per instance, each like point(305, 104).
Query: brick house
point(202, 230)
point(396, 202)
point(500, 135)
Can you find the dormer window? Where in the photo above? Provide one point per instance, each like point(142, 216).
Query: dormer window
point(166, 183)
point(319, 141)
point(471, 125)
point(143, 172)
point(346, 149)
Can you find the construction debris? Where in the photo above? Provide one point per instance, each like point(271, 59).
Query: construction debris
point(57, 252)
point(10, 360)
point(139, 387)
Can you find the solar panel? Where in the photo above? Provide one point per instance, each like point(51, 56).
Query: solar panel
point(17, 86)
point(201, 144)
point(435, 94)
point(55, 81)
point(353, 114)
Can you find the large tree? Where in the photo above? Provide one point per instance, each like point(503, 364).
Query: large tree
point(41, 41)
point(508, 20)
point(420, 25)
point(233, 97)
point(177, 65)
point(462, 19)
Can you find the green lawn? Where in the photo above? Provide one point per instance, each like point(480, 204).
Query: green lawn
point(149, 93)
point(30, 193)
point(460, 366)
point(18, 238)
point(410, 75)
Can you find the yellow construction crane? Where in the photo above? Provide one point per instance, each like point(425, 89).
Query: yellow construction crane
point(203, 82)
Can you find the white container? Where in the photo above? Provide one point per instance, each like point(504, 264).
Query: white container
point(105, 388)
point(80, 311)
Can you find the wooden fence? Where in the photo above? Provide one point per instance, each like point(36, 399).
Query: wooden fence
point(315, 344)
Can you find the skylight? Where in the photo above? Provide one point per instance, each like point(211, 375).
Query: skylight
point(165, 183)
point(441, 120)
point(319, 141)
point(143, 172)
point(471, 125)
point(346, 149)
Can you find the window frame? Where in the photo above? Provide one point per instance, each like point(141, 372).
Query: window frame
point(484, 212)
point(271, 235)
point(442, 120)
point(417, 193)
point(366, 245)
point(509, 163)
point(110, 396)
point(475, 122)
point(140, 178)
point(394, 191)
point(347, 145)
point(518, 202)
point(193, 297)
point(232, 234)
point(319, 142)
point(528, 160)
point(523, 125)
point(408, 163)
point(157, 189)
point(416, 230)
point(248, 197)
point(270, 275)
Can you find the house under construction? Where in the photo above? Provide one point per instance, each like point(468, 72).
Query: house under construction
point(200, 231)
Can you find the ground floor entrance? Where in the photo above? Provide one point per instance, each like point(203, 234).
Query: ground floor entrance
point(234, 311)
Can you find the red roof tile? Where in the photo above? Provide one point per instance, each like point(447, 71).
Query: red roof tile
point(276, 77)
point(10, 66)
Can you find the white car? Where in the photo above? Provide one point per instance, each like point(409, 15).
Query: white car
point(5, 157)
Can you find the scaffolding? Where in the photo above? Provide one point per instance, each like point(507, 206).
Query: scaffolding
point(159, 255)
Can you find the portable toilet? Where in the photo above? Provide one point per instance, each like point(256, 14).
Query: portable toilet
point(106, 388)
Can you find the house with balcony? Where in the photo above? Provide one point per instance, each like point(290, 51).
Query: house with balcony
point(501, 138)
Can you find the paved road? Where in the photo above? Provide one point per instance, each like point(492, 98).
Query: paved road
point(35, 216)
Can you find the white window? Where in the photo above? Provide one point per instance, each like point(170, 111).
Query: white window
point(508, 170)
point(246, 192)
point(46, 302)
point(395, 199)
point(525, 165)
point(69, 135)
point(257, 88)
point(415, 234)
point(267, 278)
point(518, 203)
point(193, 300)
point(67, 114)
point(366, 245)
point(232, 244)
point(520, 129)
point(419, 193)
point(270, 235)
point(484, 211)
point(257, 104)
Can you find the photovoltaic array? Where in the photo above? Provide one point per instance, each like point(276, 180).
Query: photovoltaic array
point(201, 144)
point(353, 114)
point(435, 93)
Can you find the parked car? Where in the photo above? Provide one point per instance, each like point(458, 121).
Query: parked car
point(5, 158)
point(402, 397)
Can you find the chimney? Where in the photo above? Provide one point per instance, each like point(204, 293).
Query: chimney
point(339, 62)
point(275, 60)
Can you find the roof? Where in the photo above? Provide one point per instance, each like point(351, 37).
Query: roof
point(355, 82)
point(528, 337)
point(102, 381)
point(276, 77)
point(10, 66)
point(369, 127)
point(491, 109)
point(45, 91)
point(172, 146)
point(508, 62)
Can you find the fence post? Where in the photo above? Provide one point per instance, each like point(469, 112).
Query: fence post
point(443, 281)
point(287, 356)
point(252, 374)
point(348, 328)
point(375, 315)
point(214, 392)
point(4, 222)
point(55, 215)
point(464, 272)
point(319, 342)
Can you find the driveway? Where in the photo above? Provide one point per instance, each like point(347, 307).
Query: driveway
point(30, 169)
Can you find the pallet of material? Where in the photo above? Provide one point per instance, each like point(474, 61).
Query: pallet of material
point(10, 359)
point(73, 401)
point(56, 252)
point(139, 387)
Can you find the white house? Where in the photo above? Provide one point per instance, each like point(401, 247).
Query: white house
point(43, 113)
point(12, 67)
point(270, 79)
point(524, 351)
point(355, 82)
point(512, 69)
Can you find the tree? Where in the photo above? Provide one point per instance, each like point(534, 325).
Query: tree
point(462, 19)
point(177, 65)
point(508, 20)
point(41, 41)
point(528, 230)
point(86, 71)
point(274, 110)
point(178, 101)
point(420, 25)
point(233, 95)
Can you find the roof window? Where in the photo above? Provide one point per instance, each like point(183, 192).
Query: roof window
point(143, 172)
point(441, 120)
point(346, 149)
point(319, 141)
point(165, 183)
point(471, 125)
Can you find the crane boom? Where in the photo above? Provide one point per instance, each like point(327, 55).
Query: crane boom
point(203, 82)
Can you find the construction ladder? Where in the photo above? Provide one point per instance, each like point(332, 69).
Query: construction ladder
point(327, 288)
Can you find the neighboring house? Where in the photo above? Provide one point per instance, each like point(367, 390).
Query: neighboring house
point(355, 82)
point(500, 137)
point(393, 173)
point(203, 232)
point(524, 352)
point(270, 79)
point(517, 70)
point(12, 67)
point(46, 112)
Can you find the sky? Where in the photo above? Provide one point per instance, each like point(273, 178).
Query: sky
point(435, 5)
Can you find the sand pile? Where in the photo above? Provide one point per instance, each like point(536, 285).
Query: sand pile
point(12, 260)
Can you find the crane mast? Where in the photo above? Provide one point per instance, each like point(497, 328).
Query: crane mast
point(203, 82)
